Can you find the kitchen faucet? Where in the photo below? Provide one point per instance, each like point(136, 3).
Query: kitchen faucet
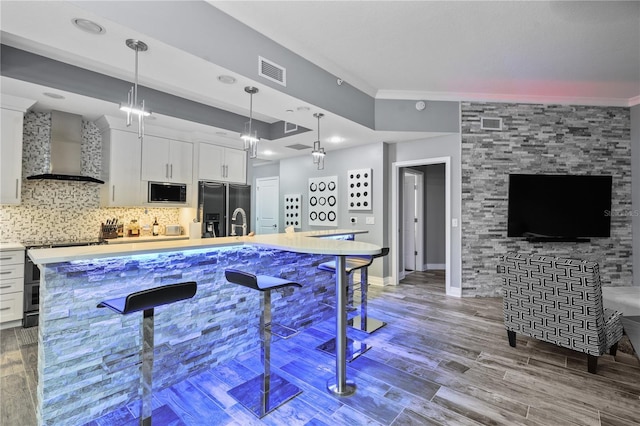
point(244, 222)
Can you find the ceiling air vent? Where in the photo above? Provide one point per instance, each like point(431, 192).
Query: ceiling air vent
point(290, 127)
point(272, 71)
point(489, 123)
point(298, 146)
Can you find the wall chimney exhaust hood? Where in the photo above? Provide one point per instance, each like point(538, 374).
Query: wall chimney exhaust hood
point(66, 141)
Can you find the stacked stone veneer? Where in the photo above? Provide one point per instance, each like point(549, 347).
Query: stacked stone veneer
point(87, 356)
point(552, 139)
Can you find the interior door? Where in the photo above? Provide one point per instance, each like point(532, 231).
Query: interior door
point(267, 205)
point(409, 221)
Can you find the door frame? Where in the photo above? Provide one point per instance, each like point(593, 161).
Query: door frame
point(419, 227)
point(395, 224)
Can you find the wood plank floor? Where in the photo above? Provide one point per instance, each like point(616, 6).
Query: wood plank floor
point(440, 360)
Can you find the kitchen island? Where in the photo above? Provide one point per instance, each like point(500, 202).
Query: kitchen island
point(88, 358)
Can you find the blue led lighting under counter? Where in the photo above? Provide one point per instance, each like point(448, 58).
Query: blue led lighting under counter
point(88, 357)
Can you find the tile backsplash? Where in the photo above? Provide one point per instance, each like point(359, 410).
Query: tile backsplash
point(56, 210)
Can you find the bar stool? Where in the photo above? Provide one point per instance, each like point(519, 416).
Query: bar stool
point(267, 391)
point(146, 301)
point(362, 321)
point(355, 348)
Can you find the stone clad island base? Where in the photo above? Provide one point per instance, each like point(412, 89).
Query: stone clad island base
point(89, 359)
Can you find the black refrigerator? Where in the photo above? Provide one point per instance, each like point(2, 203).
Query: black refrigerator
point(217, 202)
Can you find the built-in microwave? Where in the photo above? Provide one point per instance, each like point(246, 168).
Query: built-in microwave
point(162, 192)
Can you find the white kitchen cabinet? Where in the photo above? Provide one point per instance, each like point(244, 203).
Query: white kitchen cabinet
point(11, 157)
point(11, 285)
point(221, 164)
point(121, 159)
point(166, 160)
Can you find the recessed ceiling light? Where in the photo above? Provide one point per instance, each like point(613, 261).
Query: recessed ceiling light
point(226, 79)
point(53, 95)
point(88, 26)
point(267, 152)
point(336, 139)
point(289, 111)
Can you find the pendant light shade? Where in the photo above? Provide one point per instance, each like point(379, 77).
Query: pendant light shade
point(249, 135)
point(318, 152)
point(133, 107)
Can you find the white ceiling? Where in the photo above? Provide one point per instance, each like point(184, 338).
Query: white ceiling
point(566, 52)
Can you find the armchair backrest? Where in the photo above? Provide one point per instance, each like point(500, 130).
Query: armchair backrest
point(554, 299)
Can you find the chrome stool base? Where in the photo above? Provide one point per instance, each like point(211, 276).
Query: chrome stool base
point(348, 389)
point(369, 325)
point(250, 394)
point(355, 348)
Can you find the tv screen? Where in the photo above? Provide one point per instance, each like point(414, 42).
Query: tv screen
point(560, 207)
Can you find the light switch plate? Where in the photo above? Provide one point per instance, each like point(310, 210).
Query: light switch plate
point(370, 220)
point(454, 223)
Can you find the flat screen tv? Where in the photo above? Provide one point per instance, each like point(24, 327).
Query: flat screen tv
point(559, 207)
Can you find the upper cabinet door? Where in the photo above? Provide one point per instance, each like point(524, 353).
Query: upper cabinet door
point(120, 169)
point(155, 159)
point(181, 162)
point(236, 163)
point(211, 162)
point(11, 157)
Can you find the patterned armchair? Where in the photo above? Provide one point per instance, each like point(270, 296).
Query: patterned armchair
point(558, 301)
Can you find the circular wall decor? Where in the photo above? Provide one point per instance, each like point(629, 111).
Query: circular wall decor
point(323, 196)
point(359, 184)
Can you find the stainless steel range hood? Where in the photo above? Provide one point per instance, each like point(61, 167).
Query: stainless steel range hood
point(66, 147)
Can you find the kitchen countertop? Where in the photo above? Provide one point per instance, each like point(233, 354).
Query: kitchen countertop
point(311, 242)
point(145, 239)
point(11, 246)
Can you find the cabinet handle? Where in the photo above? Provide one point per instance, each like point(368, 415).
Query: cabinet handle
point(5, 286)
point(113, 193)
point(17, 182)
point(5, 258)
point(226, 170)
point(5, 272)
point(5, 309)
point(222, 170)
point(171, 174)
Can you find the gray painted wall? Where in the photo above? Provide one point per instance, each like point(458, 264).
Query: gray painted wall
point(439, 116)
point(434, 208)
point(554, 139)
point(635, 170)
point(441, 146)
point(294, 179)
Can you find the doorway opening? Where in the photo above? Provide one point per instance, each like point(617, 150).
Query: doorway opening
point(421, 217)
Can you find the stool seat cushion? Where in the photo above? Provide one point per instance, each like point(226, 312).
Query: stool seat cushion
point(257, 282)
point(150, 298)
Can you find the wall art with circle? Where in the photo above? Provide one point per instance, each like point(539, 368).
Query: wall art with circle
point(293, 210)
point(359, 189)
point(323, 201)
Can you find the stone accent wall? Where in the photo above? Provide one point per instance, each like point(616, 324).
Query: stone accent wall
point(61, 210)
point(552, 139)
point(88, 358)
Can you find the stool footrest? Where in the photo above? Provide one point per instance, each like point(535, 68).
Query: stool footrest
point(355, 348)
point(252, 396)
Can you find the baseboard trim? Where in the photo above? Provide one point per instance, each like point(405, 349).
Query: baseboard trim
point(434, 266)
point(11, 324)
point(373, 280)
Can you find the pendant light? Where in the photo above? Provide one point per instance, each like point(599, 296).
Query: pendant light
point(318, 152)
point(132, 107)
point(250, 136)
